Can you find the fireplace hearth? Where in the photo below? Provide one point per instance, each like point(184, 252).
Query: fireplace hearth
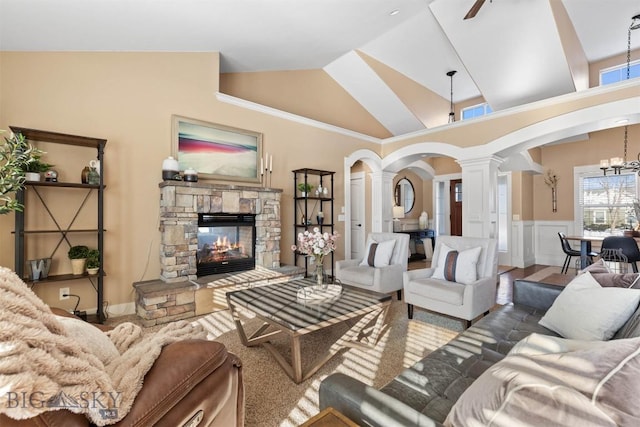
point(226, 243)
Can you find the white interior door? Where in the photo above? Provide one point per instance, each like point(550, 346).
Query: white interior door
point(358, 229)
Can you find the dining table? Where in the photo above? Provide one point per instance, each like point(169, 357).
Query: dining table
point(585, 246)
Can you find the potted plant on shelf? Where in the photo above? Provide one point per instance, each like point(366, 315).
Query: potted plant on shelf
point(93, 261)
point(33, 170)
point(305, 188)
point(78, 257)
point(15, 156)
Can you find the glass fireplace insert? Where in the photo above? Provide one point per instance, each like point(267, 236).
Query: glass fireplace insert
point(226, 243)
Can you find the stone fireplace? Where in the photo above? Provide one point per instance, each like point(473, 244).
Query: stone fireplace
point(180, 204)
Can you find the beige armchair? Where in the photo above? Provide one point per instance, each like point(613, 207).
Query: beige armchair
point(382, 279)
point(462, 300)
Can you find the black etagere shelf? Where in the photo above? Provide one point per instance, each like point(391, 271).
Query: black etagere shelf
point(21, 232)
point(306, 207)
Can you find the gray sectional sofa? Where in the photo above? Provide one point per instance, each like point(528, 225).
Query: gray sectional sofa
point(423, 394)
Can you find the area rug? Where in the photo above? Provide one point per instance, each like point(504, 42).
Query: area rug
point(272, 399)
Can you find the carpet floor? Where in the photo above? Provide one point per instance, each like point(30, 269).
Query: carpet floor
point(272, 399)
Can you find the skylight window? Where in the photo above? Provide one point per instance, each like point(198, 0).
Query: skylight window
point(476, 111)
point(619, 73)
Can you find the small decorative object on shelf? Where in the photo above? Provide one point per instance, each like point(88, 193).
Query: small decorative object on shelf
point(93, 178)
point(316, 245)
point(51, 176)
point(320, 217)
point(93, 261)
point(34, 169)
point(190, 175)
point(423, 221)
point(39, 268)
point(78, 257)
point(95, 164)
point(84, 176)
point(170, 169)
point(305, 189)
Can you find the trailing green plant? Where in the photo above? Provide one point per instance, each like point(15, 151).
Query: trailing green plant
point(305, 187)
point(16, 155)
point(78, 252)
point(93, 258)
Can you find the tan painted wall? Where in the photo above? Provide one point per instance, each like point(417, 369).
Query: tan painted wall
point(308, 93)
point(444, 165)
point(128, 98)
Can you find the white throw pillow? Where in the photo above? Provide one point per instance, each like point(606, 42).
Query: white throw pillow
point(546, 344)
point(90, 337)
point(462, 268)
point(584, 310)
point(378, 253)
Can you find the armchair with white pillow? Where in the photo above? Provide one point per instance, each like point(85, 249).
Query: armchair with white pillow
point(381, 269)
point(461, 282)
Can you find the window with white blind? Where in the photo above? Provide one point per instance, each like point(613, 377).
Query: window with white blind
point(604, 204)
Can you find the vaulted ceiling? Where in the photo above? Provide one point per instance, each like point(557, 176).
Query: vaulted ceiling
point(511, 53)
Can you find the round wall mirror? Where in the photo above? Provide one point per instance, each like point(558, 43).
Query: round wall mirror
point(404, 195)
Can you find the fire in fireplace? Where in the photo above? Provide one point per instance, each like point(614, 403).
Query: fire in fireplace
point(226, 243)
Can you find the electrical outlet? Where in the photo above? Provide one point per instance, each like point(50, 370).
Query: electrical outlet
point(64, 291)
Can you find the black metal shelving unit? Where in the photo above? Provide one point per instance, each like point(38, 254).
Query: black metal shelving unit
point(21, 232)
point(309, 205)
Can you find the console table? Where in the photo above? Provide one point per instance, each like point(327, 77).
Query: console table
point(417, 236)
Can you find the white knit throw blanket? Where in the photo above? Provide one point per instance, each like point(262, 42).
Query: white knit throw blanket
point(40, 365)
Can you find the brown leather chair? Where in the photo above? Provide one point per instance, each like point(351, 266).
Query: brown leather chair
point(192, 383)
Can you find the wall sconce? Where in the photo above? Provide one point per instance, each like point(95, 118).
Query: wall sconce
point(551, 179)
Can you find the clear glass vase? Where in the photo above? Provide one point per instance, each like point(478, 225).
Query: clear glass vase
point(319, 273)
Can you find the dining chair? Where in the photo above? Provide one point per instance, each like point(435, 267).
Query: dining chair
point(629, 249)
point(570, 252)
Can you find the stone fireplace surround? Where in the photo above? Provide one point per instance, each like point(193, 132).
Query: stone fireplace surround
point(180, 204)
point(179, 294)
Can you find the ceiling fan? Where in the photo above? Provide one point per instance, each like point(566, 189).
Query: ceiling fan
point(475, 8)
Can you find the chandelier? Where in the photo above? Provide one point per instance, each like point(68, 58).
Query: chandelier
point(618, 164)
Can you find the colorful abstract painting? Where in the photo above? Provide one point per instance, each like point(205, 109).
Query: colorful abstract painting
point(217, 151)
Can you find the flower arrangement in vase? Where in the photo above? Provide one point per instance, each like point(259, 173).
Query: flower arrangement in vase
point(316, 245)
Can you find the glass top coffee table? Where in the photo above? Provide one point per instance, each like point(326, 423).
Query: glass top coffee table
point(282, 312)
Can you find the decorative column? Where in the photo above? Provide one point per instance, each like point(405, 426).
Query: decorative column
point(382, 201)
point(480, 196)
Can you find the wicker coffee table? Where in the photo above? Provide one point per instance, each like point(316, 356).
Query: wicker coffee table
point(282, 312)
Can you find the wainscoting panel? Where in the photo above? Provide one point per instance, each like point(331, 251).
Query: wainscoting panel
point(547, 242)
point(522, 243)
